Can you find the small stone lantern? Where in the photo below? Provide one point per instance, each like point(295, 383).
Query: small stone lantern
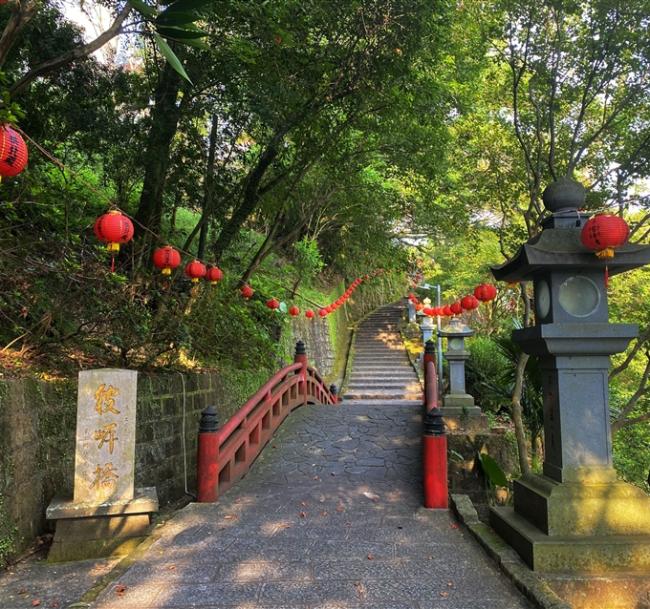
point(426, 324)
point(576, 516)
point(457, 402)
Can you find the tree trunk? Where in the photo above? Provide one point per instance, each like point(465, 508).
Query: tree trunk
point(55, 63)
point(208, 187)
point(251, 194)
point(21, 14)
point(164, 122)
point(264, 250)
point(517, 414)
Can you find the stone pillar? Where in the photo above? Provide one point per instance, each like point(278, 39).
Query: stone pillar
point(457, 402)
point(106, 515)
point(411, 312)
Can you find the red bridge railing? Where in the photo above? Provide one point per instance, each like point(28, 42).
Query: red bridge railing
point(226, 454)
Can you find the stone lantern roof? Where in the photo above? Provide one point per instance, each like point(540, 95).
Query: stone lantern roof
point(558, 246)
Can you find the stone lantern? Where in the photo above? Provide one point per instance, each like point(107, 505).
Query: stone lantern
point(576, 516)
point(426, 324)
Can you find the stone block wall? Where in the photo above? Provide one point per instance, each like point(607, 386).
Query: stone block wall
point(37, 433)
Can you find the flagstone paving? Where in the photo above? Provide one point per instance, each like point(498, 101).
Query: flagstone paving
point(329, 517)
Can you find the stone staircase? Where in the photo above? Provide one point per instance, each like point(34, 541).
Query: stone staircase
point(381, 369)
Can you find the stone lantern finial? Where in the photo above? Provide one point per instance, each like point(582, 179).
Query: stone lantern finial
point(565, 194)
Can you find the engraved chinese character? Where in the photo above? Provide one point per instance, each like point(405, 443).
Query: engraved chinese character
point(105, 477)
point(105, 399)
point(106, 435)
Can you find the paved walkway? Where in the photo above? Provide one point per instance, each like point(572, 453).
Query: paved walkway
point(328, 517)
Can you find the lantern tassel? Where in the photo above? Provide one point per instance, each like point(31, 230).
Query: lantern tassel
point(113, 263)
point(606, 276)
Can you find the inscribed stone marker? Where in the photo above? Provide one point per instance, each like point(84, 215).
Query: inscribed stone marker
point(105, 454)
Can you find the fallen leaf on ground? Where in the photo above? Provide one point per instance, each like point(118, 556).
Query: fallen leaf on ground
point(371, 557)
point(171, 567)
point(23, 591)
point(54, 605)
point(36, 602)
point(120, 589)
point(454, 526)
point(361, 590)
point(303, 514)
point(444, 594)
point(230, 517)
point(340, 508)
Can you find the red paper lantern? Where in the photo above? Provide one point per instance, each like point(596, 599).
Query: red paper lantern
point(246, 291)
point(273, 303)
point(469, 302)
point(309, 314)
point(214, 274)
point(294, 310)
point(428, 311)
point(195, 270)
point(419, 306)
point(113, 228)
point(456, 308)
point(604, 233)
point(166, 258)
point(329, 308)
point(485, 292)
point(13, 152)
point(446, 311)
point(322, 312)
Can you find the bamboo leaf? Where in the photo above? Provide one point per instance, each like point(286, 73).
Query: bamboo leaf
point(143, 7)
point(493, 471)
point(180, 33)
point(170, 56)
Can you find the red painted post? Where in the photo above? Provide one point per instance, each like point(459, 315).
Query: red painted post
point(300, 357)
point(434, 461)
point(207, 458)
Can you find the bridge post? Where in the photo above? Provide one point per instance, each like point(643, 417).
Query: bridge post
point(207, 459)
point(300, 357)
point(434, 461)
point(430, 393)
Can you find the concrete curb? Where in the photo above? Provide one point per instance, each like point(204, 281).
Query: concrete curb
point(535, 589)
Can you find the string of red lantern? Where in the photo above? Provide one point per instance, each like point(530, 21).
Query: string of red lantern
point(116, 228)
point(484, 292)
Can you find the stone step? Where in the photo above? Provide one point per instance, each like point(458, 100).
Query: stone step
point(382, 395)
point(388, 369)
point(381, 374)
point(415, 404)
point(389, 387)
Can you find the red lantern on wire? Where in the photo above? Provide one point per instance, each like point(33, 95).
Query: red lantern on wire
point(603, 234)
point(294, 311)
point(166, 258)
point(446, 311)
point(13, 152)
point(214, 274)
point(113, 228)
point(456, 308)
point(469, 302)
point(273, 304)
point(246, 291)
point(419, 306)
point(195, 270)
point(309, 314)
point(428, 311)
point(485, 292)
point(322, 312)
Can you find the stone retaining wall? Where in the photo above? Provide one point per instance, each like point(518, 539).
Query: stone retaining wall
point(37, 431)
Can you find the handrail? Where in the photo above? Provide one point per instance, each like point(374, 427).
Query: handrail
point(261, 394)
point(225, 455)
